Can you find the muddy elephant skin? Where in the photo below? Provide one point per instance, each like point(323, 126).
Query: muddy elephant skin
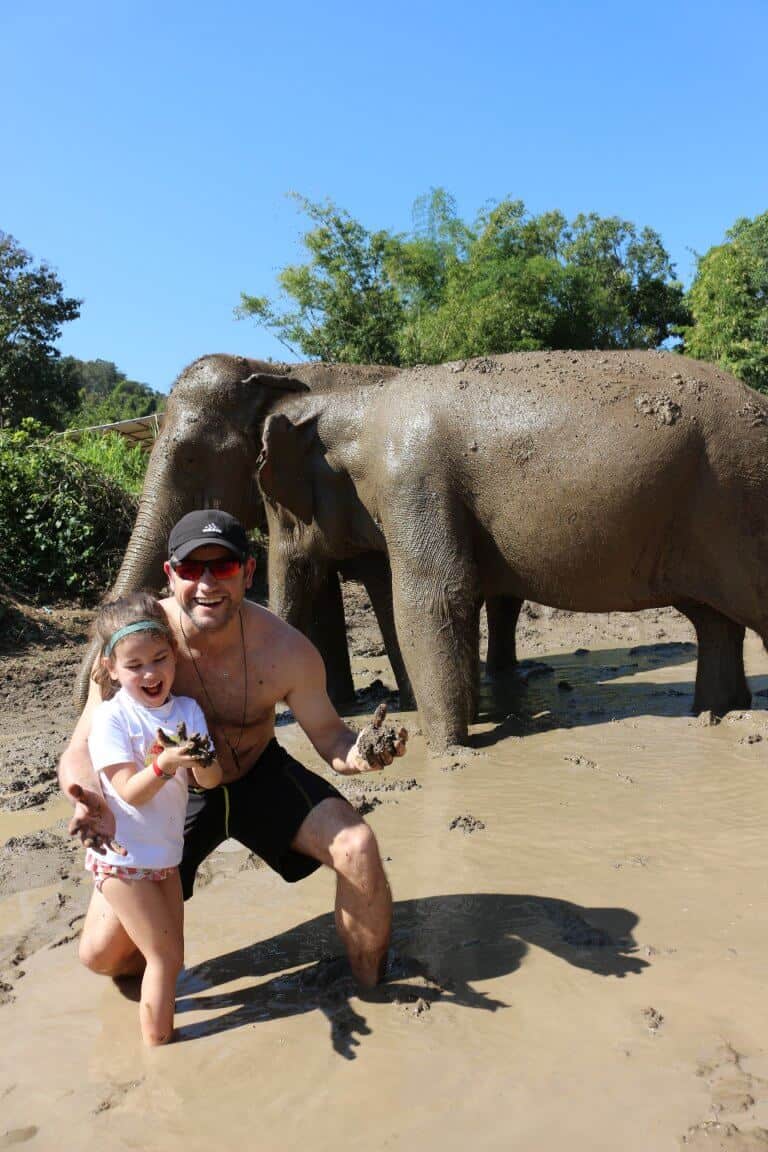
point(592, 482)
point(205, 456)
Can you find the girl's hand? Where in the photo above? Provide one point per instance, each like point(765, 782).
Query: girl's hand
point(195, 754)
point(93, 821)
point(170, 760)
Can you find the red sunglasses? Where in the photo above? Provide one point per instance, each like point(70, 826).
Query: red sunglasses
point(223, 568)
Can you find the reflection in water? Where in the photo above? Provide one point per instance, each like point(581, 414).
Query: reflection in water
point(613, 683)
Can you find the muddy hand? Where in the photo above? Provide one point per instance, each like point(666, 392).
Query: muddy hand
point(92, 821)
point(198, 746)
point(379, 743)
point(201, 749)
point(169, 741)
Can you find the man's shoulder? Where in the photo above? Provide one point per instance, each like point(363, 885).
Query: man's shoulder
point(263, 624)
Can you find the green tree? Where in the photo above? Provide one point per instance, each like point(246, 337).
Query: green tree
point(728, 300)
point(520, 282)
point(106, 395)
point(347, 309)
point(33, 308)
point(508, 281)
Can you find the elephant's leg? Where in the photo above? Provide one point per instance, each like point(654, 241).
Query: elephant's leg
point(502, 613)
point(720, 681)
point(377, 578)
point(436, 599)
point(328, 632)
point(307, 595)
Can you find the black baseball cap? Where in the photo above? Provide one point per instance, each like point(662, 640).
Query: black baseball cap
point(207, 526)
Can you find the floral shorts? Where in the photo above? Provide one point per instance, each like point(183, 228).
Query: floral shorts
point(100, 870)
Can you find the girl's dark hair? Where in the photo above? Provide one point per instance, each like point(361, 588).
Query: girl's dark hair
point(118, 614)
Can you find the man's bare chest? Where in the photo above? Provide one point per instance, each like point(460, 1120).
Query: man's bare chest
point(230, 692)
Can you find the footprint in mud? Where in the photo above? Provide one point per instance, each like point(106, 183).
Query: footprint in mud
point(712, 1136)
point(734, 1091)
point(116, 1096)
point(733, 1088)
point(16, 1136)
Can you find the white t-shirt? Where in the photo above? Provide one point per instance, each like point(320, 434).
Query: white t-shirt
point(124, 731)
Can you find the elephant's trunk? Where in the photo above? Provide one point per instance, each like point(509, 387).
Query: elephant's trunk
point(142, 567)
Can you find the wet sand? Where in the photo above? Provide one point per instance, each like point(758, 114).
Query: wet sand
point(579, 941)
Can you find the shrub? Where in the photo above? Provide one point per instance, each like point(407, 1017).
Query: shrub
point(123, 462)
point(64, 521)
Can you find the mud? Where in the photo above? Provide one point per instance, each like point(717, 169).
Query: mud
point(378, 740)
point(578, 953)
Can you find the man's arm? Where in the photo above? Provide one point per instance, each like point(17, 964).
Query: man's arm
point(92, 820)
point(309, 702)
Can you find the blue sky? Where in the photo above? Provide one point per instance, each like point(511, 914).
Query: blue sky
point(149, 147)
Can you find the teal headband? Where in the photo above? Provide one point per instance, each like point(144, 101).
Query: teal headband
point(139, 626)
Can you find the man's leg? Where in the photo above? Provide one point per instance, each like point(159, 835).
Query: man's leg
point(334, 834)
point(105, 946)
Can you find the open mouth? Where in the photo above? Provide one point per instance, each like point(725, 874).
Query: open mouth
point(154, 692)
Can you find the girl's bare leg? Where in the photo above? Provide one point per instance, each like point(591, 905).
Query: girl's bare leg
point(105, 946)
point(152, 913)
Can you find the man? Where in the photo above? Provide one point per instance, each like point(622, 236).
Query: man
point(238, 660)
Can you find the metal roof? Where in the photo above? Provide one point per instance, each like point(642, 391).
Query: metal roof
point(141, 430)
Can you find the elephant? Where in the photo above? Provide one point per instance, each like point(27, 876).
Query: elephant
point(589, 481)
point(206, 455)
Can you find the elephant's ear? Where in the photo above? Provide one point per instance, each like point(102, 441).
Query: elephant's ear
point(275, 383)
point(284, 466)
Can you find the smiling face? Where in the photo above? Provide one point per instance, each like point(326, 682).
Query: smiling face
point(210, 601)
point(144, 663)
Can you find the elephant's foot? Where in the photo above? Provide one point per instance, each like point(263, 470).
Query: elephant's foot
point(719, 698)
point(442, 739)
point(441, 748)
point(721, 685)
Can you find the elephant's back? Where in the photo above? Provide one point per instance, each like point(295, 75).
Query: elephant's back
point(505, 403)
point(562, 456)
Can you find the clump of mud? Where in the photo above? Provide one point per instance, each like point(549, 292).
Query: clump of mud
point(378, 739)
point(467, 824)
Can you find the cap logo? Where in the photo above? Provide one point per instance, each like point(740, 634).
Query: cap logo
point(211, 528)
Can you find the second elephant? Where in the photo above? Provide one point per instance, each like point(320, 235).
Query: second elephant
point(592, 482)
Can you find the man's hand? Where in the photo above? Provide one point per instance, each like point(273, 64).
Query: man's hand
point(377, 745)
point(92, 821)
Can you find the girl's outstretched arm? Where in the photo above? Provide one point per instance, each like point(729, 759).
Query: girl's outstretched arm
point(138, 785)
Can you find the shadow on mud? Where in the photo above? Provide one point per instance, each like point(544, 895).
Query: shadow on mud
point(577, 689)
point(441, 946)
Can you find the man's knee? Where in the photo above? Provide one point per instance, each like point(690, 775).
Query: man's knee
point(354, 851)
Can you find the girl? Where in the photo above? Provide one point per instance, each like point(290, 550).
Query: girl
point(144, 777)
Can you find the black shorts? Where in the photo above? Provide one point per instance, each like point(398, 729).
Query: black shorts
point(263, 810)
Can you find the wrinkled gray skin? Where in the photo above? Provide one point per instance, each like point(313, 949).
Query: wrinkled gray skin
point(588, 481)
point(205, 456)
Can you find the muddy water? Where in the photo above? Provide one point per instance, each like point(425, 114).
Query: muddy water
point(578, 955)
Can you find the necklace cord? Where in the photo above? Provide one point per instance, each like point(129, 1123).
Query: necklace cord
point(233, 748)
